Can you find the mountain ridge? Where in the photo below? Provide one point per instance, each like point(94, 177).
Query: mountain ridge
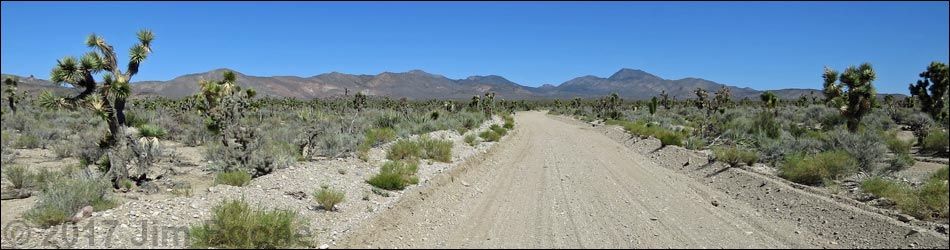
point(419, 84)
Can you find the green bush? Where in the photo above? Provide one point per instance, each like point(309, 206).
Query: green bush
point(237, 178)
point(936, 142)
point(825, 166)
point(734, 156)
point(941, 174)
point(670, 138)
point(27, 141)
point(470, 139)
point(645, 130)
point(499, 130)
point(928, 201)
point(328, 198)
point(932, 201)
point(235, 225)
point(509, 122)
point(897, 146)
point(60, 202)
point(395, 175)
point(372, 138)
point(695, 143)
point(901, 161)
point(490, 135)
point(438, 150)
point(404, 150)
point(149, 130)
point(880, 187)
point(19, 176)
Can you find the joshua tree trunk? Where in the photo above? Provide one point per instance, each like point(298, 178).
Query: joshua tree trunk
point(12, 104)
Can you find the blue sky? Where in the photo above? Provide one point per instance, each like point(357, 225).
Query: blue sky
point(763, 45)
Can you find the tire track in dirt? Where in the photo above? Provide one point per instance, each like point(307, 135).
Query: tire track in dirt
point(555, 184)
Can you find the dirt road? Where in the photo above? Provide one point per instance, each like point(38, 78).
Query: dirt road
point(555, 184)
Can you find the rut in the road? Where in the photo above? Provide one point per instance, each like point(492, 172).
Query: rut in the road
point(556, 184)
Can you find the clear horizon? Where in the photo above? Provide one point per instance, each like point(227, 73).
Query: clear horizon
point(761, 45)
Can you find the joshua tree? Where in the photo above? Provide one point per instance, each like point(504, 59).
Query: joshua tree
point(576, 102)
point(721, 100)
point(666, 100)
point(474, 104)
point(652, 106)
point(11, 83)
point(109, 102)
point(488, 103)
point(610, 106)
point(702, 98)
point(860, 93)
point(225, 102)
point(769, 100)
point(832, 91)
point(359, 101)
point(933, 103)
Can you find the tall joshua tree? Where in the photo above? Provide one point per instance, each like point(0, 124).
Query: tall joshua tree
point(109, 102)
point(934, 102)
point(769, 100)
point(858, 99)
point(11, 83)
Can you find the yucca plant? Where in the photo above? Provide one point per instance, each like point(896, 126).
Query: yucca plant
point(934, 102)
point(11, 83)
point(109, 101)
point(859, 98)
point(115, 83)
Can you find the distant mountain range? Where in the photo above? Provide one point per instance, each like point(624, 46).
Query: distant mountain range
point(417, 84)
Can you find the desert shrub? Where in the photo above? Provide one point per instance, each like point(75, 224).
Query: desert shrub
point(895, 145)
point(328, 198)
point(498, 129)
point(387, 119)
point(63, 149)
point(235, 225)
point(471, 120)
point(878, 120)
point(149, 130)
point(127, 184)
point(901, 161)
point(19, 176)
point(881, 187)
point(237, 178)
point(337, 144)
point(489, 135)
point(867, 147)
point(765, 123)
point(27, 141)
point(395, 175)
point(695, 143)
point(931, 200)
point(941, 174)
point(404, 150)
point(44, 177)
point(136, 119)
point(374, 137)
point(927, 201)
point(814, 170)
point(936, 142)
point(438, 150)
point(60, 202)
point(670, 138)
point(734, 156)
point(644, 130)
point(509, 122)
point(470, 139)
point(255, 154)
